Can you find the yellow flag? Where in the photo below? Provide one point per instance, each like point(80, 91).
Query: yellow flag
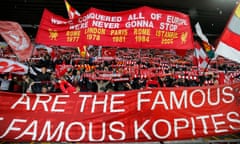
point(72, 12)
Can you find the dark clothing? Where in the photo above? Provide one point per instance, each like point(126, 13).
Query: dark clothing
point(168, 81)
point(25, 85)
point(41, 76)
point(44, 79)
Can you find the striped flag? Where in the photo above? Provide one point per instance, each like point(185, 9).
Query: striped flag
point(200, 57)
point(72, 12)
point(229, 42)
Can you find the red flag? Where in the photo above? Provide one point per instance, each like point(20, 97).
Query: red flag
point(17, 39)
point(11, 66)
point(54, 30)
point(229, 42)
point(72, 12)
point(200, 57)
point(88, 29)
point(108, 52)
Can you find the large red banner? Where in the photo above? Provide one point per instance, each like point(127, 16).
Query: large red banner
point(143, 115)
point(143, 27)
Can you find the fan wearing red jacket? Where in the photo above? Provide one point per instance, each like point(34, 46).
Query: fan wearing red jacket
point(65, 86)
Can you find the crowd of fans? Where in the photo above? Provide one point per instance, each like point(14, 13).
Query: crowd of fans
point(127, 70)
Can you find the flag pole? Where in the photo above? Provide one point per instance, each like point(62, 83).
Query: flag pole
point(29, 64)
point(139, 65)
point(205, 69)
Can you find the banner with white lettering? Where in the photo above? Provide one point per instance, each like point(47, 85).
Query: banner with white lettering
point(140, 115)
point(143, 27)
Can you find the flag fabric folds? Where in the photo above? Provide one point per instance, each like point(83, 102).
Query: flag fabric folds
point(17, 39)
point(83, 52)
point(200, 57)
point(88, 29)
point(72, 12)
point(11, 66)
point(206, 45)
point(229, 42)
